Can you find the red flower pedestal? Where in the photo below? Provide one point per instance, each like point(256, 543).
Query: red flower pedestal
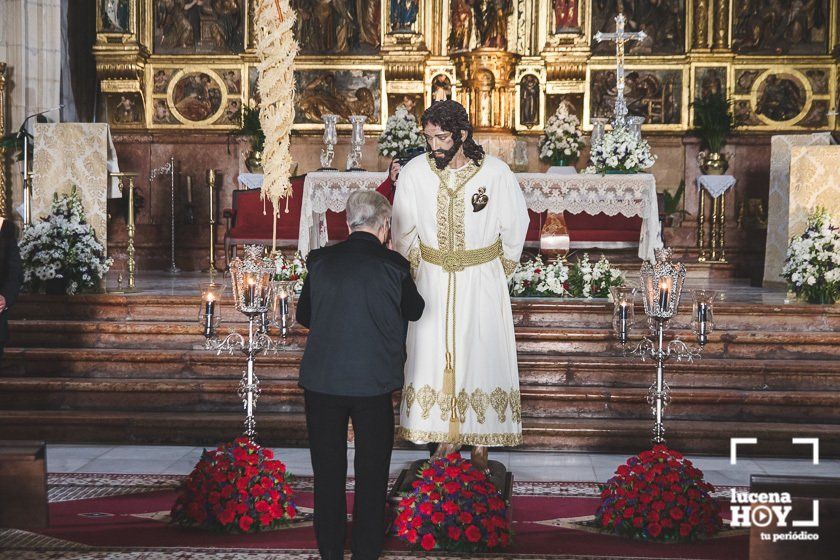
point(659, 495)
point(238, 487)
point(447, 504)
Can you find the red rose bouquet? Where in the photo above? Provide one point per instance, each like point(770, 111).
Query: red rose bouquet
point(453, 506)
point(659, 495)
point(238, 487)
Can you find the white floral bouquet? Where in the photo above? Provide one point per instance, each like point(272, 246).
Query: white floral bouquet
point(619, 150)
point(562, 139)
point(290, 269)
point(63, 246)
point(812, 267)
point(401, 134)
point(589, 280)
point(535, 278)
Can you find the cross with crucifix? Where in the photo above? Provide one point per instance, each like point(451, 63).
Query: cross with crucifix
point(620, 37)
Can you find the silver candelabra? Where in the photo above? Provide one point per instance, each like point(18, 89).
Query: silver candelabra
point(661, 286)
point(265, 303)
point(169, 169)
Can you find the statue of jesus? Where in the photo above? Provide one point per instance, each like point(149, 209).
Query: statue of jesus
point(460, 218)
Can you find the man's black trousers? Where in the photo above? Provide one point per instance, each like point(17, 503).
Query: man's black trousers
point(373, 424)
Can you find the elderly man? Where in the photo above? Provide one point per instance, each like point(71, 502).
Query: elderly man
point(356, 301)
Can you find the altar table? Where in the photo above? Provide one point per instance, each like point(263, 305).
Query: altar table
point(628, 195)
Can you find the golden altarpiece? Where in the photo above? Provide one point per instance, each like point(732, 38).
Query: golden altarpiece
point(190, 64)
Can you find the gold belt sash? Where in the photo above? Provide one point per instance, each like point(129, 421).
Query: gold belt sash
point(452, 262)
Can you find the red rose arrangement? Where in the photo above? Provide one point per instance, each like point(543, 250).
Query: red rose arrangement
point(659, 495)
point(454, 507)
point(238, 487)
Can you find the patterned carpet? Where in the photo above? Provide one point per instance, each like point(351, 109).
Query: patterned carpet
point(123, 517)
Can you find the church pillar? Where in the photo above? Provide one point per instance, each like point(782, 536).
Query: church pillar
point(721, 25)
point(700, 38)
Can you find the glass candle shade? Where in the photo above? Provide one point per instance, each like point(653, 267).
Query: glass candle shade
point(251, 279)
point(702, 315)
point(624, 299)
point(662, 285)
point(209, 313)
point(283, 305)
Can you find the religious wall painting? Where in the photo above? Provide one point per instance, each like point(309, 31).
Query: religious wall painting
point(460, 25)
point(403, 15)
point(529, 100)
point(565, 16)
point(662, 20)
point(817, 116)
point(783, 97)
point(253, 84)
point(572, 101)
point(744, 80)
point(338, 26)
point(819, 79)
point(479, 24)
point(413, 102)
point(709, 80)
point(779, 98)
point(232, 113)
point(161, 113)
point(744, 113)
point(199, 26)
point(780, 26)
point(197, 97)
point(125, 109)
point(655, 95)
point(161, 78)
point(115, 16)
point(339, 92)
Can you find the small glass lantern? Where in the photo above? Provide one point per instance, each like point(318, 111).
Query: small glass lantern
point(634, 125)
point(702, 315)
point(598, 127)
point(283, 305)
point(662, 285)
point(209, 313)
point(624, 316)
point(554, 237)
point(251, 279)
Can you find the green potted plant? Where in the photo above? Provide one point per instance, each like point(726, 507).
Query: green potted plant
point(252, 129)
point(713, 122)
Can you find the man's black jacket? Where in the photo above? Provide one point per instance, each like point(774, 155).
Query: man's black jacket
point(11, 274)
point(355, 301)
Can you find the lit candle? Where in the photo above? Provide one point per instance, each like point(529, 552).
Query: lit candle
point(189, 189)
point(251, 292)
point(702, 320)
point(209, 310)
point(664, 293)
point(284, 311)
point(622, 321)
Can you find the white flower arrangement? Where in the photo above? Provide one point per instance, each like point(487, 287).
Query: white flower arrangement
point(589, 280)
point(401, 134)
point(562, 138)
point(63, 245)
point(290, 269)
point(812, 267)
point(620, 150)
point(537, 279)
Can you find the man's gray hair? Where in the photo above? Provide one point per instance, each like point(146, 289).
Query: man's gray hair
point(367, 209)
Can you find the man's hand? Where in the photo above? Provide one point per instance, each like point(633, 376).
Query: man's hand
point(2, 304)
point(394, 171)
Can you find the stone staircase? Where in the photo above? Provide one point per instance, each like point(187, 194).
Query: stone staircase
point(131, 368)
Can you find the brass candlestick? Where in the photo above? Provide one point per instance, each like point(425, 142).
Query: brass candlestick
point(130, 226)
point(211, 184)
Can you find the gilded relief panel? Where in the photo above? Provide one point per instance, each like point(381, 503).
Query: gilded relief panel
point(783, 97)
point(199, 26)
point(662, 20)
point(655, 94)
point(339, 26)
point(798, 27)
point(339, 92)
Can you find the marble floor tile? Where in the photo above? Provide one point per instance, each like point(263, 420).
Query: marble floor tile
point(125, 466)
point(76, 451)
point(66, 464)
point(154, 452)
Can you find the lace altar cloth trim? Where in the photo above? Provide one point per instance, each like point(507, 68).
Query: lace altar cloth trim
point(628, 195)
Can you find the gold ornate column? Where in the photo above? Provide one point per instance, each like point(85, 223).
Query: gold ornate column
point(721, 25)
point(700, 37)
point(4, 186)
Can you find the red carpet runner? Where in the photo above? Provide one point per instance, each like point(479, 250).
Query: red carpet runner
point(126, 516)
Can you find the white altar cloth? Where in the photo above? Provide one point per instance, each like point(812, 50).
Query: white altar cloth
point(628, 195)
point(715, 185)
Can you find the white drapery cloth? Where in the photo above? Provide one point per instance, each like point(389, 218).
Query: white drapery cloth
point(461, 373)
point(715, 185)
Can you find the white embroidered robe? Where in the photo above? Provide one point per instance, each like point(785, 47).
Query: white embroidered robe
point(435, 207)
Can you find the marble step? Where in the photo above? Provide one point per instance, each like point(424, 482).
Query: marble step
point(284, 396)
point(145, 334)
point(602, 435)
point(535, 312)
point(535, 369)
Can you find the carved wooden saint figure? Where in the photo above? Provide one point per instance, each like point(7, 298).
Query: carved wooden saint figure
point(529, 100)
point(461, 24)
point(565, 15)
point(491, 19)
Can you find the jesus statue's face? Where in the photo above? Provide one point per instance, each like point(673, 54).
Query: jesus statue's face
point(442, 144)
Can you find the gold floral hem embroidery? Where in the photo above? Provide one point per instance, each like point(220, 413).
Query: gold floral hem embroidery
point(479, 402)
point(488, 440)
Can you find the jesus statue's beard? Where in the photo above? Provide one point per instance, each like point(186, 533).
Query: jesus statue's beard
point(443, 157)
